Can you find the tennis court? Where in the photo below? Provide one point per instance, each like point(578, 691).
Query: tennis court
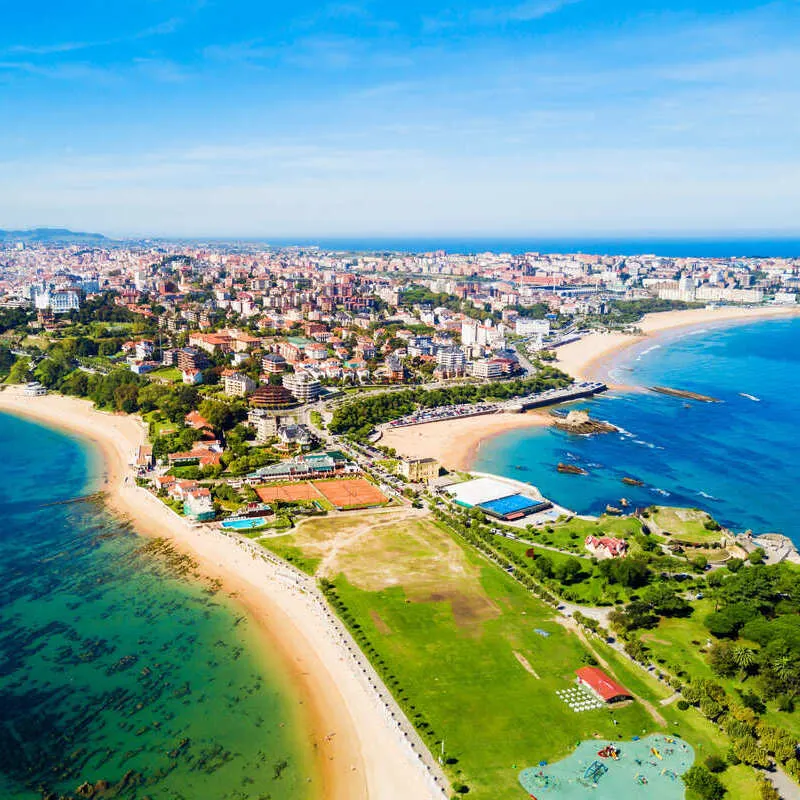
point(287, 492)
point(351, 493)
point(511, 504)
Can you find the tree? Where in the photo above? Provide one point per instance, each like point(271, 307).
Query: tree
point(715, 763)
point(704, 783)
point(721, 660)
point(744, 658)
point(566, 571)
point(666, 601)
point(756, 557)
point(125, 398)
point(20, 371)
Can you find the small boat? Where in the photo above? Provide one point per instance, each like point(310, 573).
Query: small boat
point(623, 501)
point(632, 482)
point(750, 397)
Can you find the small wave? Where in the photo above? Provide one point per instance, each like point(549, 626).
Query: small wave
point(750, 397)
point(649, 350)
point(662, 492)
point(707, 496)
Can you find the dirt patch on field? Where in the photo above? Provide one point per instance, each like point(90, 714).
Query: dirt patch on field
point(525, 664)
point(648, 637)
point(380, 624)
point(468, 609)
point(384, 549)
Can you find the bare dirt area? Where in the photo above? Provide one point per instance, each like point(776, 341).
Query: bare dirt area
point(399, 549)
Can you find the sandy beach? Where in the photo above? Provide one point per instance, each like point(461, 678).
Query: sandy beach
point(584, 359)
point(455, 443)
point(361, 752)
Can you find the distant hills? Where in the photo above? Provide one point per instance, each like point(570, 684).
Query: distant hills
point(45, 235)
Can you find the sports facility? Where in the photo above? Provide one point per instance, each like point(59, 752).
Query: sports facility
point(648, 768)
point(350, 493)
point(498, 498)
point(287, 492)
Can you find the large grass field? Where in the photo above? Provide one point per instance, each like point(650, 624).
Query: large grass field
point(459, 637)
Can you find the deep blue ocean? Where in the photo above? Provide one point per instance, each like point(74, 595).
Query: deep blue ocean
point(738, 459)
point(118, 664)
point(701, 247)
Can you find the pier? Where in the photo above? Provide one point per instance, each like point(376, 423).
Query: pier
point(551, 397)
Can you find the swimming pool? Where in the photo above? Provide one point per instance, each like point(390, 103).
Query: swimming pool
point(244, 524)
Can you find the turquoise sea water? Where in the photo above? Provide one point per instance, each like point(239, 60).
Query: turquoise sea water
point(737, 459)
point(114, 665)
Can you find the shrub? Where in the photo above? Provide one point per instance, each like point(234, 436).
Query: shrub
point(682, 705)
point(704, 783)
point(715, 763)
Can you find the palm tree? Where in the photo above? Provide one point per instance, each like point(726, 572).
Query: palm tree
point(785, 668)
point(743, 657)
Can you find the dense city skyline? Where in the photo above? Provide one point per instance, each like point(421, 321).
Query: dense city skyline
point(341, 119)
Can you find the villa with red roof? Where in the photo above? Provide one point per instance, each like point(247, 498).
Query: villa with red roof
point(606, 546)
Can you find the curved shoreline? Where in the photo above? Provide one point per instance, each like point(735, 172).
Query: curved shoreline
point(456, 443)
point(587, 358)
point(359, 753)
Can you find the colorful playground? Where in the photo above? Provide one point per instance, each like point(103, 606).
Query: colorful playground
point(649, 767)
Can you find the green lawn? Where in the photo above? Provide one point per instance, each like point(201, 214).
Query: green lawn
point(454, 638)
point(571, 535)
point(172, 374)
point(685, 524)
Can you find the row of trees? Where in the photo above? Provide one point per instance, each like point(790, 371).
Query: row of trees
point(359, 416)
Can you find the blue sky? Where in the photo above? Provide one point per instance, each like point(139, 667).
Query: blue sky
point(241, 118)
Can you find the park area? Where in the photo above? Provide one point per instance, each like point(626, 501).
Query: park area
point(470, 655)
point(339, 493)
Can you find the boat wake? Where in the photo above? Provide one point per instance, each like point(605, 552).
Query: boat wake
point(662, 492)
point(750, 397)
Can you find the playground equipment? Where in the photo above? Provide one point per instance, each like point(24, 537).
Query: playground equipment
point(595, 771)
point(641, 780)
point(656, 753)
point(609, 751)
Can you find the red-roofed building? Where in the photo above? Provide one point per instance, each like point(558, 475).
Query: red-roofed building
point(606, 546)
point(607, 689)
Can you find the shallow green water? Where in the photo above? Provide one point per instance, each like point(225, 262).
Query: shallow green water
point(115, 664)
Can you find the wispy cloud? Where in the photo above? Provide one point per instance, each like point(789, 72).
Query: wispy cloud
point(528, 11)
point(164, 28)
point(523, 12)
